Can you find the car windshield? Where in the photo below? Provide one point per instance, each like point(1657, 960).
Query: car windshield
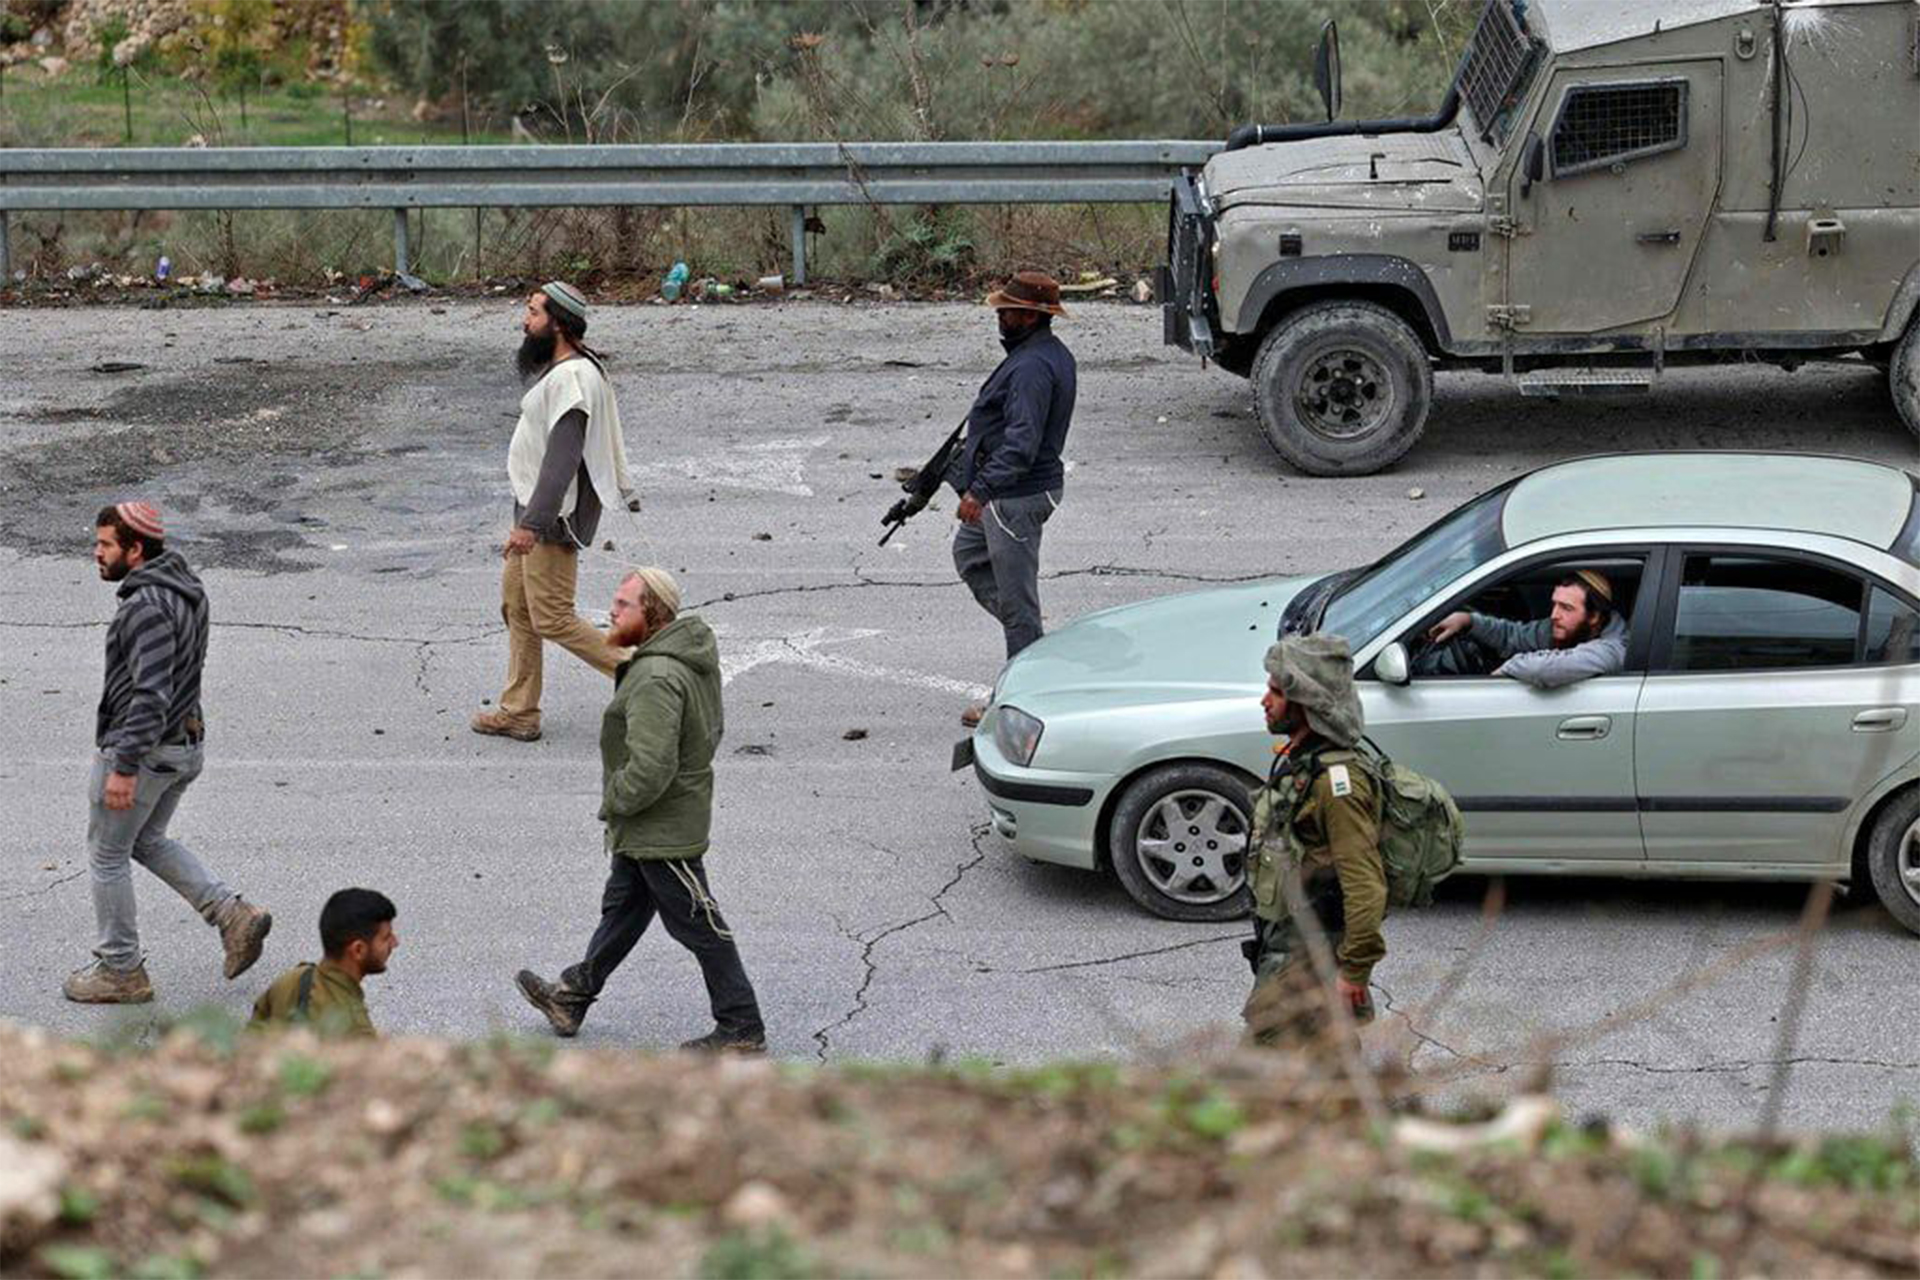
point(1419, 567)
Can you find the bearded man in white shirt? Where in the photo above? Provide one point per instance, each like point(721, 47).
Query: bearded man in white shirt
point(567, 464)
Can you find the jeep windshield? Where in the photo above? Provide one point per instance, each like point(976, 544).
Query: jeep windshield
point(1408, 576)
point(1498, 65)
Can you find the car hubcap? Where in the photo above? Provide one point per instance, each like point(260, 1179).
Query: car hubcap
point(1344, 394)
point(1907, 862)
point(1192, 846)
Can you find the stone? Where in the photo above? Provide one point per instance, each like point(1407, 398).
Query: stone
point(756, 1204)
point(30, 1179)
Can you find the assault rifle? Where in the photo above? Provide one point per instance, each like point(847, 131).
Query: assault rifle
point(925, 483)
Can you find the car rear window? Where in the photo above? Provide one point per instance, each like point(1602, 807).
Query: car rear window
point(1907, 544)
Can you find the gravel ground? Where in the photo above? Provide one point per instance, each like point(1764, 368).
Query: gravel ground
point(338, 472)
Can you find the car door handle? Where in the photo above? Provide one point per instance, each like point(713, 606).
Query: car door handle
point(1584, 728)
point(1658, 237)
point(1881, 720)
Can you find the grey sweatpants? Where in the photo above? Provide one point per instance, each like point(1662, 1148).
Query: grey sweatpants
point(118, 838)
point(999, 560)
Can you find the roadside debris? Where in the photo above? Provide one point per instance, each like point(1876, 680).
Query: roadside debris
point(118, 366)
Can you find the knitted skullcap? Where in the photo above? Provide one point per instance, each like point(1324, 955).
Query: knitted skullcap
point(1598, 582)
point(566, 296)
point(142, 518)
point(660, 587)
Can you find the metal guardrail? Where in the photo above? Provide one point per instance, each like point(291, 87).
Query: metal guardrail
point(796, 175)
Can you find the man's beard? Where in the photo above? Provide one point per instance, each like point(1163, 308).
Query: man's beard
point(115, 572)
point(535, 353)
point(1010, 331)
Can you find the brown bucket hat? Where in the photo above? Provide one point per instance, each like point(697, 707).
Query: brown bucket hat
point(1028, 291)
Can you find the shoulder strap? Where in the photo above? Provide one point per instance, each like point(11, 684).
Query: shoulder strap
point(305, 996)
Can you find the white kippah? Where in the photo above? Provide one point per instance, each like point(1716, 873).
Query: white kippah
point(660, 586)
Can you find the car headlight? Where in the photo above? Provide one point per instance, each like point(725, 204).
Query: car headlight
point(1016, 734)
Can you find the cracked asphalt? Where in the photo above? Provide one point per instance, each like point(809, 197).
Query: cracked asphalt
point(337, 472)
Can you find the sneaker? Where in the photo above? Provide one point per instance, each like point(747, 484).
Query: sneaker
point(501, 725)
point(243, 931)
point(974, 714)
point(97, 984)
point(565, 1008)
point(721, 1040)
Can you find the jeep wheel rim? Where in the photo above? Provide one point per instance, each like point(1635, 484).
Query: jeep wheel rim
point(1192, 847)
point(1907, 862)
point(1344, 394)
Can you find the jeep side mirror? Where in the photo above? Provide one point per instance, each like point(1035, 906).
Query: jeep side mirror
point(1533, 164)
point(1393, 666)
point(1326, 68)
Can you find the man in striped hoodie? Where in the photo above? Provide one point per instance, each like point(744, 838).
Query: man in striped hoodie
point(149, 733)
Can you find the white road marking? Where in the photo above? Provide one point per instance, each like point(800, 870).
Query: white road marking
point(776, 466)
point(804, 650)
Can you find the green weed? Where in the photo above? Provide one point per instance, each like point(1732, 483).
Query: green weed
point(304, 1077)
point(758, 1255)
point(78, 1206)
point(214, 1176)
point(79, 1262)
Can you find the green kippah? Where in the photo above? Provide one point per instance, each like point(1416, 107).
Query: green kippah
point(559, 291)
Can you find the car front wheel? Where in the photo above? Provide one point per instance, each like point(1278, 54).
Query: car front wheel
point(1893, 859)
point(1179, 842)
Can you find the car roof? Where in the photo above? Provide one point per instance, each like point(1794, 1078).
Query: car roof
point(1842, 497)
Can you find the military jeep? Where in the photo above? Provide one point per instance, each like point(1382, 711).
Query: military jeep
point(1606, 191)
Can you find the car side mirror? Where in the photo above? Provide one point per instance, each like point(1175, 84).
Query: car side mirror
point(1393, 666)
point(1326, 69)
point(1533, 164)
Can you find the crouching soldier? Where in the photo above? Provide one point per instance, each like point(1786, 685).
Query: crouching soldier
point(1316, 825)
point(356, 939)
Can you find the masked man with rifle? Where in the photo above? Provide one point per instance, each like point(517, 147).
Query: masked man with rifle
point(1007, 470)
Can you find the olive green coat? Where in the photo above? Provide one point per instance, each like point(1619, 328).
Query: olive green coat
point(657, 743)
point(335, 1003)
point(1325, 813)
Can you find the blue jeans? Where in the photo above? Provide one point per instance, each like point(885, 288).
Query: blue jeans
point(117, 838)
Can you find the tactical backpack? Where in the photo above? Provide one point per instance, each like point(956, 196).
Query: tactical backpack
point(1421, 830)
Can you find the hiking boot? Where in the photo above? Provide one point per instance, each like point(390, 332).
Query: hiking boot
point(565, 1008)
point(243, 931)
point(721, 1040)
point(501, 725)
point(974, 714)
point(97, 984)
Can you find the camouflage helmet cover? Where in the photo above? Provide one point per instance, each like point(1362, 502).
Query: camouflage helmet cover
point(1316, 672)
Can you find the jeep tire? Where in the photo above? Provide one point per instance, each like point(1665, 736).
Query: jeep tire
point(1159, 815)
point(1893, 857)
point(1343, 388)
point(1903, 377)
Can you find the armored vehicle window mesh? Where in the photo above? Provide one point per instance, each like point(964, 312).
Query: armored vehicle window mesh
point(1603, 124)
point(1499, 57)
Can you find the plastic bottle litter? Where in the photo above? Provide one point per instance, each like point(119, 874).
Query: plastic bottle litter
point(163, 269)
point(676, 281)
point(771, 284)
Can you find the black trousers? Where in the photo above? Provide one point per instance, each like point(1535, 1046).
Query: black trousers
point(676, 891)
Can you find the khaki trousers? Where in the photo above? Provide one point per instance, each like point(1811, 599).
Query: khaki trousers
point(536, 600)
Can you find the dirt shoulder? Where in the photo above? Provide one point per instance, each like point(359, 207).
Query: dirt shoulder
point(220, 1153)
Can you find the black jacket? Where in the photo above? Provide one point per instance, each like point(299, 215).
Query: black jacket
point(156, 645)
point(1018, 424)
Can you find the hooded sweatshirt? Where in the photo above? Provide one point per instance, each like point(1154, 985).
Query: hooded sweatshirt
point(657, 743)
point(156, 646)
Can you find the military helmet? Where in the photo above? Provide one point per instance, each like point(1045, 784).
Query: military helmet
point(1316, 671)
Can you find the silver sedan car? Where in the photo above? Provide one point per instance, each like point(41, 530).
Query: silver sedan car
point(1766, 724)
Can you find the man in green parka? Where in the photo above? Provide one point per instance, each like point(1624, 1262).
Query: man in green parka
point(1316, 831)
point(657, 743)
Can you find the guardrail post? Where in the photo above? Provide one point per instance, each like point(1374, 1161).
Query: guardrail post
point(6, 253)
point(400, 241)
point(799, 245)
